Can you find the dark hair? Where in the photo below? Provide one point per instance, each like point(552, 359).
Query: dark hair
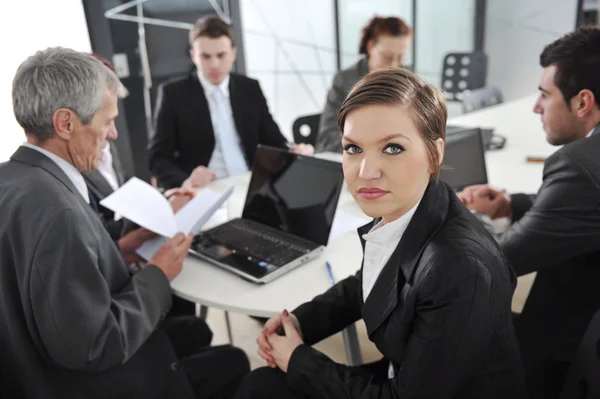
point(213, 27)
point(392, 26)
point(576, 56)
point(398, 86)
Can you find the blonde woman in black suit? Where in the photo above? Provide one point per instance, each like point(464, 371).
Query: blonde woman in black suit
point(434, 289)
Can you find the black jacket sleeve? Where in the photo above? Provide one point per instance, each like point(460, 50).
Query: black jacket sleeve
point(269, 131)
point(332, 311)
point(164, 144)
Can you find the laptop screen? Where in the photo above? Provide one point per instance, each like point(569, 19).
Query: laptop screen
point(294, 193)
point(464, 159)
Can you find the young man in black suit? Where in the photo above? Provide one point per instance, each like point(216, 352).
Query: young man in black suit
point(557, 231)
point(208, 124)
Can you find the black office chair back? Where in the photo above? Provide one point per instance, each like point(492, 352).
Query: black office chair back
point(461, 72)
point(306, 128)
point(583, 380)
point(481, 98)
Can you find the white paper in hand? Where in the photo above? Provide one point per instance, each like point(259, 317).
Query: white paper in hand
point(190, 218)
point(144, 205)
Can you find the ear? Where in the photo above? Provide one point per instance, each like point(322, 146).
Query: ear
point(63, 122)
point(583, 103)
point(234, 53)
point(370, 44)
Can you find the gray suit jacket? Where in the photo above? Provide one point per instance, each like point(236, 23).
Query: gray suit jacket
point(73, 322)
point(329, 137)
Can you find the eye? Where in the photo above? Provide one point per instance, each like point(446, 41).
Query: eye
point(352, 149)
point(393, 149)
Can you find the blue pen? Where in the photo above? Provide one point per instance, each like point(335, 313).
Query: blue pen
point(331, 278)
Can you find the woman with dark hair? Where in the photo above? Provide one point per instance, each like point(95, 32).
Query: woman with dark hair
point(383, 44)
point(434, 289)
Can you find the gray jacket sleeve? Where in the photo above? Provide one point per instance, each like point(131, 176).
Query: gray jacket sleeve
point(83, 323)
point(329, 137)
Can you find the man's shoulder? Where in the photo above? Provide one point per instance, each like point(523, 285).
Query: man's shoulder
point(176, 84)
point(31, 182)
point(580, 155)
point(244, 81)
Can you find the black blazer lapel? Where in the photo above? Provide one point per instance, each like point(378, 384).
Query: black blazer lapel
point(596, 131)
point(400, 268)
point(238, 108)
point(35, 158)
point(200, 113)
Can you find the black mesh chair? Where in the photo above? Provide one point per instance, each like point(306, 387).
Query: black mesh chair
point(481, 98)
point(462, 72)
point(583, 380)
point(306, 128)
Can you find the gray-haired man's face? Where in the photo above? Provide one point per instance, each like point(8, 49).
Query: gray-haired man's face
point(87, 141)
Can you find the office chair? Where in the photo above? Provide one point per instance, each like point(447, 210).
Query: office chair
point(306, 128)
point(583, 379)
point(481, 98)
point(462, 72)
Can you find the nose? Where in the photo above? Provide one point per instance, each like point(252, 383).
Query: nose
point(113, 134)
point(214, 63)
point(537, 108)
point(370, 168)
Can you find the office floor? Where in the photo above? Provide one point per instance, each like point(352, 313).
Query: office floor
point(245, 330)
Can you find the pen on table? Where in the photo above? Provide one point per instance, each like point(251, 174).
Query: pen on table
point(330, 272)
point(530, 159)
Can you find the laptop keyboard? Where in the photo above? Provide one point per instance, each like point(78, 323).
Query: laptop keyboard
point(243, 237)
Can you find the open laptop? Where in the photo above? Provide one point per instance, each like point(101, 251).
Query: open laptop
point(464, 159)
point(287, 217)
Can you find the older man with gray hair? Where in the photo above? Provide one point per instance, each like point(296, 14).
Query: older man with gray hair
point(74, 322)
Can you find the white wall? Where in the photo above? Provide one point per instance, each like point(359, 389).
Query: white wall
point(28, 26)
point(516, 33)
point(289, 47)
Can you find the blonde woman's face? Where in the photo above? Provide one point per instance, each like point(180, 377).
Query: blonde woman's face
point(385, 160)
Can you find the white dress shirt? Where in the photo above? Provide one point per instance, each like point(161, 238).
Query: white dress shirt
point(106, 169)
point(72, 173)
point(380, 244)
point(217, 160)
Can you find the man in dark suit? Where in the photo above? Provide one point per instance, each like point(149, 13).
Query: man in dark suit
point(73, 321)
point(557, 231)
point(208, 124)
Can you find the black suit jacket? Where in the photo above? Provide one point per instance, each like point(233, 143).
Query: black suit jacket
point(183, 133)
point(439, 311)
point(557, 234)
point(74, 323)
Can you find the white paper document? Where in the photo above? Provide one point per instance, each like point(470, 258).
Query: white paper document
point(141, 203)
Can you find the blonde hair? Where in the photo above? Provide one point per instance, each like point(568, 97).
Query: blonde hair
point(398, 86)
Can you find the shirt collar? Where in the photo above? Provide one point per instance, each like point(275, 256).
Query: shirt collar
point(210, 87)
point(382, 234)
point(591, 132)
point(72, 173)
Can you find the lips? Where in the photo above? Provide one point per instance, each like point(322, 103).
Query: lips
point(372, 193)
